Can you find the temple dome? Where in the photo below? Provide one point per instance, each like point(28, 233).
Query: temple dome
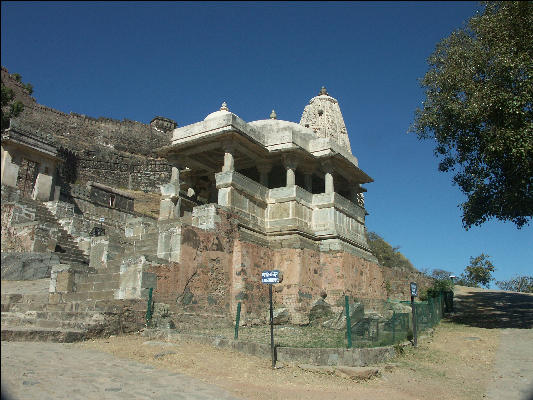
point(224, 110)
point(323, 116)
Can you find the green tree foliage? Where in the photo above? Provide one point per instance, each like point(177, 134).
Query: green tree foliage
point(478, 109)
point(29, 88)
point(387, 255)
point(479, 272)
point(520, 283)
point(10, 108)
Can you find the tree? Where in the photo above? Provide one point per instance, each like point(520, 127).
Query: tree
point(479, 272)
point(10, 108)
point(520, 283)
point(478, 109)
point(440, 274)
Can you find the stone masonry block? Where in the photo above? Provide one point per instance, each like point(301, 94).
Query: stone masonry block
point(65, 281)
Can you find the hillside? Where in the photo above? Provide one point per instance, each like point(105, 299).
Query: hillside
point(387, 255)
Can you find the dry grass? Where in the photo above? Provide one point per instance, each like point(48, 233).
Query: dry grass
point(454, 364)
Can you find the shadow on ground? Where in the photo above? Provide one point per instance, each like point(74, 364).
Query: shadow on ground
point(488, 309)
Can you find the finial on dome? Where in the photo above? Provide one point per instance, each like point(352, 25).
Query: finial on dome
point(273, 115)
point(224, 107)
point(323, 91)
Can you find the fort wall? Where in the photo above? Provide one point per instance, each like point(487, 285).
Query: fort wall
point(113, 152)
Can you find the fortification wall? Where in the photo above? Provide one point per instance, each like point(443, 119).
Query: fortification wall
point(116, 153)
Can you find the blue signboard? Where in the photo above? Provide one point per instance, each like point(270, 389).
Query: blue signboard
point(414, 289)
point(270, 276)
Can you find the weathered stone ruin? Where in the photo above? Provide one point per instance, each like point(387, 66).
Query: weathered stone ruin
point(236, 198)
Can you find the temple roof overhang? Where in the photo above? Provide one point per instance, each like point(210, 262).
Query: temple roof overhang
point(32, 141)
point(256, 141)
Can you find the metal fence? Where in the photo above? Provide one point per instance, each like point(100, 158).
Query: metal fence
point(368, 323)
point(393, 326)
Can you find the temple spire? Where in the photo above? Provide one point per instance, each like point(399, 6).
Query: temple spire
point(323, 115)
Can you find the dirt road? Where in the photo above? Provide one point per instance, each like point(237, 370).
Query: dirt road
point(483, 352)
point(511, 314)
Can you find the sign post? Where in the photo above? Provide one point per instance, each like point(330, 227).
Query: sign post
point(414, 293)
point(271, 277)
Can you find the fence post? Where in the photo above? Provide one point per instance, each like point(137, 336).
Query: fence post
point(237, 320)
point(431, 310)
point(149, 307)
point(393, 326)
point(348, 322)
point(413, 306)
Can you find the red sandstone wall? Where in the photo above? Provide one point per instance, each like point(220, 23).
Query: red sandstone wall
point(218, 270)
point(201, 282)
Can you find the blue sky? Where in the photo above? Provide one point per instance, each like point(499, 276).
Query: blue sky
point(181, 60)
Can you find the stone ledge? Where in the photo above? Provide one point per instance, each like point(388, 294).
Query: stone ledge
point(341, 357)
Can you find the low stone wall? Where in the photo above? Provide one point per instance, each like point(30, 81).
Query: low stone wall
point(313, 356)
point(345, 357)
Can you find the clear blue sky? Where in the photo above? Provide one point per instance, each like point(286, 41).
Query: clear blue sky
point(181, 60)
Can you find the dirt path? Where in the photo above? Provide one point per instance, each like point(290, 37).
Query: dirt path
point(50, 371)
point(511, 314)
point(513, 369)
point(470, 358)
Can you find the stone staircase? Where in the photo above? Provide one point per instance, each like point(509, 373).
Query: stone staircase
point(66, 247)
point(29, 312)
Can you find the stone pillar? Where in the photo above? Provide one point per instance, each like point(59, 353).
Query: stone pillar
point(290, 163)
point(229, 160)
point(175, 176)
point(10, 170)
point(169, 206)
point(43, 187)
point(328, 177)
point(264, 168)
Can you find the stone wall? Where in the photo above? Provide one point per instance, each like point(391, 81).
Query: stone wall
point(397, 282)
point(122, 170)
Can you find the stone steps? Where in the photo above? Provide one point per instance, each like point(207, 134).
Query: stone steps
point(68, 250)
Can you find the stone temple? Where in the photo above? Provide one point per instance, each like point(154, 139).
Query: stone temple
point(235, 198)
point(289, 185)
